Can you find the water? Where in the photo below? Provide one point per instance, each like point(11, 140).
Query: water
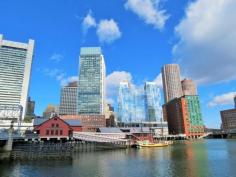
point(207, 158)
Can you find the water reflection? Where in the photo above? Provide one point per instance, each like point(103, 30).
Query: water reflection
point(188, 159)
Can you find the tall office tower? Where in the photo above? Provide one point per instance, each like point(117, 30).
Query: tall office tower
point(152, 102)
point(68, 102)
point(91, 88)
point(15, 69)
point(171, 82)
point(125, 102)
point(139, 111)
point(188, 87)
point(30, 107)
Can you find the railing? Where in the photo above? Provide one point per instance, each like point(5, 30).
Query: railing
point(91, 137)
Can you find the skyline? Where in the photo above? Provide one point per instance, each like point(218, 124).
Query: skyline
point(77, 24)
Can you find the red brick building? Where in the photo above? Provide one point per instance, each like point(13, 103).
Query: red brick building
point(178, 115)
point(90, 123)
point(56, 127)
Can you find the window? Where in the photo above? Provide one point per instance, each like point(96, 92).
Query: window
point(61, 132)
point(56, 132)
point(47, 132)
point(52, 125)
point(52, 132)
point(57, 125)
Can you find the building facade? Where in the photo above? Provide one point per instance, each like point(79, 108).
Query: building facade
point(56, 127)
point(171, 82)
point(50, 111)
point(91, 86)
point(90, 123)
point(184, 116)
point(30, 107)
point(68, 101)
point(152, 101)
point(228, 118)
point(188, 87)
point(15, 70)
point(125, 102)
point(195, 116)
point(136, 105)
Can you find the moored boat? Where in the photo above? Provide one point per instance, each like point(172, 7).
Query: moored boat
point(143, 144)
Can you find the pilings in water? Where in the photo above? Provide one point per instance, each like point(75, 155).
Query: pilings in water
point(32, 150)
point(41, 150)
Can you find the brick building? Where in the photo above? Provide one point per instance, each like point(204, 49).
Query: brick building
point(184, 116)
point(56, 127)
point(90, 123)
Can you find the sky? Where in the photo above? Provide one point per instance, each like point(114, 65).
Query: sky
point(137, 38)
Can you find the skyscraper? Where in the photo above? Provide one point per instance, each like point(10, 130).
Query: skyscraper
point(171, 82)
point(91, 88)
point(188, 87)
point(68, 102)
point(15, 69)
point(152, 101)
point(138, 105)
point(125, 102)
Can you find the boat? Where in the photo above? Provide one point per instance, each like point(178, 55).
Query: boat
point(147, 144)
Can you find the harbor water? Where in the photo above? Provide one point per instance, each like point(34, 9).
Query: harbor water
point(205, 158)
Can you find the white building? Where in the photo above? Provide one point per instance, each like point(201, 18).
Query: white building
point(15, 69)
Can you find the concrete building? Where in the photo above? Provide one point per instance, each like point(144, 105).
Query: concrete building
point(228, 118)
point(188, 87)
point(109, 116)
point(184, 116)
point(15, 70)
point(171, 82)
point(92, 75)
point(50, 110)
point(68, 100)
point(30, 107)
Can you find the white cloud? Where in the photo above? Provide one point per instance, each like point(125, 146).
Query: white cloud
point(56, 57)
point(112, 83)
point(66, 81)
point(108, 31)
point(149, 11)
point(53, 73)
point(206, 50)
point(88, 22)
point(158, 80)
point(224, 99)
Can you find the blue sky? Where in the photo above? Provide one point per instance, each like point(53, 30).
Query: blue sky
point(137, 38)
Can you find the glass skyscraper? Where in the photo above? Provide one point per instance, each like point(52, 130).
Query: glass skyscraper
point(152, 102)
point(137, 105)
point(91, 86)
point(15, 70)
point(125, 102)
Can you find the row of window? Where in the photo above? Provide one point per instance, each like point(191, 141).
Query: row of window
point(54, 132)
